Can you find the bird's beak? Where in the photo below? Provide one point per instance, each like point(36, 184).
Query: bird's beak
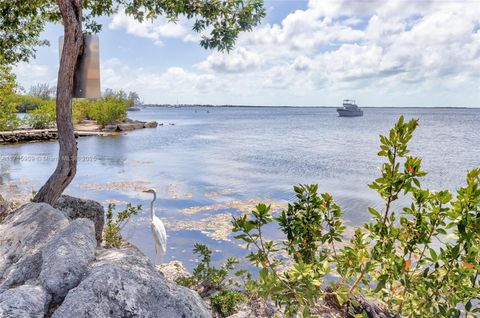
point(146, 191)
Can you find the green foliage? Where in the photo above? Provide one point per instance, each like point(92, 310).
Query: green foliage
point(293, 283)
point(22, 22)
point(109, 110)
point(419, 259)
point(112, 230)
point(82, 109)
point(8, 116)
point(43, 116)
point(226, 301)
point(26, 103)
point(207, 277)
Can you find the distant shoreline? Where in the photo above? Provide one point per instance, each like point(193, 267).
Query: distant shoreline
point(274, 106)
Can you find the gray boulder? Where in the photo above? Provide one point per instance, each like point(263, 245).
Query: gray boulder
point(150, 124)
point(24, 301)
point(75, 208)
point(125, 127)
point(110, 128)
point(173, 271)
point(22, 236)
point(66, 258)
point(138, 124)
point(124, 283)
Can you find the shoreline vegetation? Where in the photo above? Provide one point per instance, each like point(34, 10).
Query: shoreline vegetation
point(104, 116)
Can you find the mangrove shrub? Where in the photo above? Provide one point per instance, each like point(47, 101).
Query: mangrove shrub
point(8, 116)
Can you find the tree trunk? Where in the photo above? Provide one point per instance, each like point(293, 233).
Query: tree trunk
point(71, 11)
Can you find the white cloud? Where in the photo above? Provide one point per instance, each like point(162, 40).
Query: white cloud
point(239, 60)
point(29, 74)
point(169, 84)
point(155, 30)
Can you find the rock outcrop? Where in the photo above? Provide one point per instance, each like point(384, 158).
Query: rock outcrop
point(52, 264)
point(75, 208)
point(129, 125)
point(66, 258)
point(24, 301)
point(124, 283)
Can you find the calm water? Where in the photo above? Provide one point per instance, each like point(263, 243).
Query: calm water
point(215, 163)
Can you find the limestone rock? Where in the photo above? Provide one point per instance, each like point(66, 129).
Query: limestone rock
point(23, 234)
point(257, 307)
point(125, 127)
point(150, 124)
point(110, 128)
point(124, 283)
point(66, 258)
point(173, 270)
point(74, 208)
point(24, 301)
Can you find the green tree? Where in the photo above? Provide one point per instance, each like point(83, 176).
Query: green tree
point(8, 116)
point(22, 21)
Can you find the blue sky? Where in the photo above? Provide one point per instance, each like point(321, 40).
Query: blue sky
point(305, 53)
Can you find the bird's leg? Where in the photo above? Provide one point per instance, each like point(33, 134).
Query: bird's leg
point(155, 244)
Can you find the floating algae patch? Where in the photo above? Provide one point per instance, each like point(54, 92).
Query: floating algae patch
point(216, 194)
point(243, 206)
point(218, 227)
point(115, 186)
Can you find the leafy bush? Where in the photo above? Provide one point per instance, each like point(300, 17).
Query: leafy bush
point(418, 261)
point(26, 103)
point(112, 230)
point(226, 301)
point(109, 110)
point(8, 116)
point(43, 116)
point(209, 280)
point(207, 277)
point(82, 108)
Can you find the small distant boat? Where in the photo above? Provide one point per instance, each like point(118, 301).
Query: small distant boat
point(133, 109)
point(349, 109)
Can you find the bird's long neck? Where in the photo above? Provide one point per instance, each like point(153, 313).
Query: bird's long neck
point(152, 205)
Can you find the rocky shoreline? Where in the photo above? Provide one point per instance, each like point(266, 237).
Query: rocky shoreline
point(83, 129)
point(52, 265)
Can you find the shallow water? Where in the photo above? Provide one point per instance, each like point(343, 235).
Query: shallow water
point(217, 162)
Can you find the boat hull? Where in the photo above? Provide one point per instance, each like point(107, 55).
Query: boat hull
point(349, 113)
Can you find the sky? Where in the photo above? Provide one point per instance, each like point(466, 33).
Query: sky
point(411, 53)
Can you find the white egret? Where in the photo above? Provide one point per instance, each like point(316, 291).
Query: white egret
point(158, 229)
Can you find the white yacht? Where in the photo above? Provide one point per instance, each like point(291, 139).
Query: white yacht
point(349, 109)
